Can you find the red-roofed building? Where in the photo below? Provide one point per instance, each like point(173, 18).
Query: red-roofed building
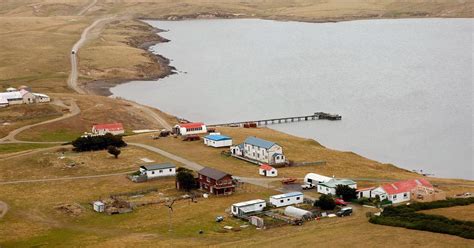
point(190, 128)
point(402, 191)
point(267, 170)
point(112, 128)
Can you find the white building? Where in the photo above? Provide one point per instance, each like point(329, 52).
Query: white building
point(259, 150)
point(298, 213)
point(217, 140)
point(329, 187)
point(267, 170)
point(112, 128)
point(158, 170)
point(41, 97)
point(99, 206)
point(190, 128)
point(286, 199)
point(248, 207)
point(313, 179)
point(3, 102)
point(365, 192)
point(401, 191)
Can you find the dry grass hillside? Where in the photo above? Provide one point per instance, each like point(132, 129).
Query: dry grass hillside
point(95, 109)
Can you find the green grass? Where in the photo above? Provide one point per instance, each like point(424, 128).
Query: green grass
point(10, 148)
point(60, 135)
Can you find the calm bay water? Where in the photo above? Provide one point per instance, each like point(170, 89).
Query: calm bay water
point(404, 87)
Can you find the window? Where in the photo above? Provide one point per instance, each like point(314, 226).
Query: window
point(152, 172)
point(208, 179)
point(161, 171)
point(260, 205)
point(281, 201)
point(200, 176)
point(297, 198)
point(288, 199)
point(171, 169)
point(405, 195)
point(394, 197)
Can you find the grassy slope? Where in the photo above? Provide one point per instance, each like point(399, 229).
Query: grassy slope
point(459, 212)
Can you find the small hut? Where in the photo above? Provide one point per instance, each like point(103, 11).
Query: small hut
point(298, 213)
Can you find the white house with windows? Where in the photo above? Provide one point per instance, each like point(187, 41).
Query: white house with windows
point(248, 207)
point(401, 191)
point(158, 170)
point(259, 150)
point(329, 187)
point(313, 179)
point(41, 97)
point(190, 128)
point(217, 140)
point(287, 199)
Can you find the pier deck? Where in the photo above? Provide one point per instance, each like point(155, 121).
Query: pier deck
point(264, 122)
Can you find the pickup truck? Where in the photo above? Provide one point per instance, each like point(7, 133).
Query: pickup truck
point(308, 186)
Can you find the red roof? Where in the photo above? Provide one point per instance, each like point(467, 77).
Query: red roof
point(266, 167)
point(109, 126)
point(405, 186)
point(365, 189)
point(192, 125)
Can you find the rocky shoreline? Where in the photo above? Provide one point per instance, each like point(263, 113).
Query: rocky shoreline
point(160, 68)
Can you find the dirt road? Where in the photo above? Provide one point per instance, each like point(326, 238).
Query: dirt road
point(85, 36)
point(87, 7)
point(73, 110)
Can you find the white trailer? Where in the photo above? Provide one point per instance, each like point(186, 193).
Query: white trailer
point(248, 207)
point(313, 179)
point(287, 199)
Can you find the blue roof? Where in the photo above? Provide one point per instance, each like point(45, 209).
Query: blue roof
point(217, 137)
point(290, 194)
point(259, 142)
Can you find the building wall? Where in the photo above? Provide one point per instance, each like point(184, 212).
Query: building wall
point(159, 173)
point(326, 190)
point(286, 201)
point(219, 143)
point(209, 184)
point(15, 101)
point(105, 131)
point(271, 173)
point(257, 207)
point(29, 98)
point(184, 131)
point(43, 99)
point(235, 150)
point(401, 197)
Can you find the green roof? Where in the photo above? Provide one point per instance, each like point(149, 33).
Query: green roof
point(334, 182)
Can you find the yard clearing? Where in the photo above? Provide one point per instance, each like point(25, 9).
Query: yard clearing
point(458, 212)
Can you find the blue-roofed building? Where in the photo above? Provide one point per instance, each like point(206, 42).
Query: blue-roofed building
point(287, 199)
point(217, 140)
point(260, 151)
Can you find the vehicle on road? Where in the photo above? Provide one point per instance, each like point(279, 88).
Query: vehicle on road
point(308, 186)
point(340, 201)
point(345, 211)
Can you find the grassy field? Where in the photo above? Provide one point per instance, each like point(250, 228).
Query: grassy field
point(13, 148)
point(33, 219)
point(459, 212)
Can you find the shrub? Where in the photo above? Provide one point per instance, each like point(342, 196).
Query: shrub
point(347, 193)
point(95, 143)
point(407, 216)
point(325, 202)
point(185, 179)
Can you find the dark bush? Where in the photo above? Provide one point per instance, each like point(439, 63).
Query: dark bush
point(407, 216)
point(95, 143)
point(185, 179)
point(347, 193)
point(325, 202)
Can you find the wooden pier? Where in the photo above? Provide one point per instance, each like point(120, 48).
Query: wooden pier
point(264, 122)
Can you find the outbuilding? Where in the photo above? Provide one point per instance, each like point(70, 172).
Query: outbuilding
point(99, 206)
point(158, 170)
point(248, 207)
point(313, 178)
point(112, 128)
point(217, 140)
point(3, 102)
point(329, 187)
point(190, 128)
point(41, 97)
point(298, 213)
point(267, 171)
point(365, 192)
point(286, 199)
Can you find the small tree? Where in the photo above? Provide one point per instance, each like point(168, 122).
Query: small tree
point(185, 179)
point(114, 151)
point(347, 193)
point(325, 202)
